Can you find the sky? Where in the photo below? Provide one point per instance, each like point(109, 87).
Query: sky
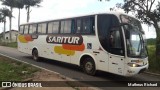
point(53, 9)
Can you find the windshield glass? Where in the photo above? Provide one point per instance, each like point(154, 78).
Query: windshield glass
point(135, 43)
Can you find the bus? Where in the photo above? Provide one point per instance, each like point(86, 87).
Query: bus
point(111, 42)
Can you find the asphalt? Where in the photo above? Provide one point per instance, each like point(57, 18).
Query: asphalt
point(74, 72)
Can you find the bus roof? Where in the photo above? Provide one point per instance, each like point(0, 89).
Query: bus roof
point(111, 12)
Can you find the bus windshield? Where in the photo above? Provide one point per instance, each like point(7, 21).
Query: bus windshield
point(136, 47)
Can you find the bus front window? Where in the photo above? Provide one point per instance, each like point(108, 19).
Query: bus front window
point(136, 47)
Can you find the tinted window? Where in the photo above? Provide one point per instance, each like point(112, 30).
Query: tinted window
point(66, 26)
point(115, 39)
point(26, 29)
point(79, 26)
point(32, 29)
point(86, 25)
point(42, 28)
point(105, 23)
point(53, 27)
point(73, 26)
point(21, 29)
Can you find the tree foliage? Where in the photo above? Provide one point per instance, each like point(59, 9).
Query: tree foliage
point(4, 12)
point(19, 4)
point(10, 3)
point(31, 3)
point(143, 9)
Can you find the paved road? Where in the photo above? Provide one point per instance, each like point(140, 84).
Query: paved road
point(76, 73)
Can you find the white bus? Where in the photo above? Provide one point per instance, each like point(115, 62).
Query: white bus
point(110, 42)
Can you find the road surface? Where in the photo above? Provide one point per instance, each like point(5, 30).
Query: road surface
point(76, 73)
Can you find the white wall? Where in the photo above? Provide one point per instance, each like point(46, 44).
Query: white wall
point(14, 36)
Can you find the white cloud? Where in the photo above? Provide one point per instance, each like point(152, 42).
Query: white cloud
point(149, 31)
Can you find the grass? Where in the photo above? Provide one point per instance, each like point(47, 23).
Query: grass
point(12, 44)
point(11, 70)
point(154, 61)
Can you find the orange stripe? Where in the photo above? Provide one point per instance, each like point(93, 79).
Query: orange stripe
point(74, 47)
point(28, 37)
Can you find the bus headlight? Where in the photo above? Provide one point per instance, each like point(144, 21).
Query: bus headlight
point(133, 64)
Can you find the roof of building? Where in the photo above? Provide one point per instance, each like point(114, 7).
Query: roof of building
point(11, 31)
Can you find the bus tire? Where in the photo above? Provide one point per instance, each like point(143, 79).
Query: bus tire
point(89, 66)
point(35, 55)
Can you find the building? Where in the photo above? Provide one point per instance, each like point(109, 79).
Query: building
point(14, 34)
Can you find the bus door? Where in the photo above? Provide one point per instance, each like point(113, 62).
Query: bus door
point(116, 64)
point(116, 52)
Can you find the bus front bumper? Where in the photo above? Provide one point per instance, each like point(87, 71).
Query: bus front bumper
point(131, 71)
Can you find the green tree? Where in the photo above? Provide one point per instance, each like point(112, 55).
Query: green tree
point(148, 11)
point(4, 12)
point(31, 3)
point(11, 4)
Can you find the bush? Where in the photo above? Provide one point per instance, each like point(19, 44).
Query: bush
point(12, 44)
point(154, 61)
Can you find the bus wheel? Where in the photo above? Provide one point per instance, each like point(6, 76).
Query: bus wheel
point(35, 55)
point(89, 66)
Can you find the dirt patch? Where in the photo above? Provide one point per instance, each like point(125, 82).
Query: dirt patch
point(50, 76)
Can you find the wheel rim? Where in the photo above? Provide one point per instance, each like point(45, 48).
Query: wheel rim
point(89, 67)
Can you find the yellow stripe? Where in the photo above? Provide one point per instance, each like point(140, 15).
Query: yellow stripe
point(22, 39)
point(60, 50)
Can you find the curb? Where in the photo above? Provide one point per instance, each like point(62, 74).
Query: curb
point(61, 76)
point(153, 74)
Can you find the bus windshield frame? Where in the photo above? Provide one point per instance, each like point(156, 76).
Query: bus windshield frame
point(135, 43)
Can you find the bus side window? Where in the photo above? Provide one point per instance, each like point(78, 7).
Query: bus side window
point(21, 29)
point(62, 26)
point(116, 42)
point(53, 27)
point(42, 28)
point(34, 28)
point(78, 26)
point(115, 39)
point(92, 25)
point(73, 26)
point(30, 29)
point(26, 29)
point(66, 26)
point(56, 27)
point(86, 25)
point(50, 27)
